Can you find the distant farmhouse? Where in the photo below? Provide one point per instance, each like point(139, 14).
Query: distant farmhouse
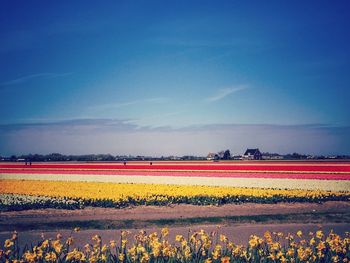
point(222, 155)
point(252, 154)
point(212, 156)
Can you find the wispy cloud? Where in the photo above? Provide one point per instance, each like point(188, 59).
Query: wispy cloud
point(158, 100)
point(222, 93)
point(27, 78)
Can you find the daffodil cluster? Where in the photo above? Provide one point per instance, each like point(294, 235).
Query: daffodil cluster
point(198, 246)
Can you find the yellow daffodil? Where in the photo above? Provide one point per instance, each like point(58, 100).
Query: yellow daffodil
point(8, 243)
point(299, 233)
point(165, 231)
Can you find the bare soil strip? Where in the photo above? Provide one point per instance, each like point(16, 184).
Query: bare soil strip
point(143, 216)
point(140, 224)
point(238, 222)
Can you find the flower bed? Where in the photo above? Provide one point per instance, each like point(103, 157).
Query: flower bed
point(195, 247)
point(123, 195)
point(199, 173)
point(15, 202)
point(292, 167)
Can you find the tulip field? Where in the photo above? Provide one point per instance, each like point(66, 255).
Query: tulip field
point(75, 185)
point(119, 186)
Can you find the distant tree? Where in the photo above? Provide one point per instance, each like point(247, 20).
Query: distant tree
point(55, 157)
point(295, 156)
point(107, 157)
point(227, 155)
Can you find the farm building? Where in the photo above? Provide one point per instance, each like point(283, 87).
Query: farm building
point(212, 157)
point(252, 154)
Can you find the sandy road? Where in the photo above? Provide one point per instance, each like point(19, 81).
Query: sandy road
point(169, 212)
point(238, 231)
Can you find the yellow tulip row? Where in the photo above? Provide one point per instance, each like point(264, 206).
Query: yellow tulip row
point(158, 194)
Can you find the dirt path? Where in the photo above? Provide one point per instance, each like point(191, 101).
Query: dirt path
point(170, 212)
point(330, 215)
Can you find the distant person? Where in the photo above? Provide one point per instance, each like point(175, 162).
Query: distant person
point(150, 163)
point(124, 163)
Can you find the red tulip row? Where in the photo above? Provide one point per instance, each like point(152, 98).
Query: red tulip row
point(194, 173)
point(331, 167)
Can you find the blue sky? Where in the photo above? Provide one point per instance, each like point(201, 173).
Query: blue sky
point(155, 67)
